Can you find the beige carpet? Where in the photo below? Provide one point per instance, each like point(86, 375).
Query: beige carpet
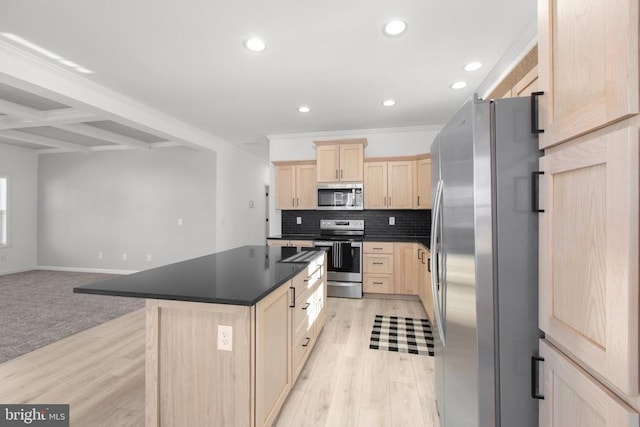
point(39, 307)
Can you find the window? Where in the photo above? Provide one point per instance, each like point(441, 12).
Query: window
point(3, 210)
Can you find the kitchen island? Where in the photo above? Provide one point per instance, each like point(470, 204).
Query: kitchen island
point(226, 334)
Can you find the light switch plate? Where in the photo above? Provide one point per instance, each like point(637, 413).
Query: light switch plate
point(298, 220)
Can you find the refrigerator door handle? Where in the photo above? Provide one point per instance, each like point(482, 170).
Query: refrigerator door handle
point(435, 284)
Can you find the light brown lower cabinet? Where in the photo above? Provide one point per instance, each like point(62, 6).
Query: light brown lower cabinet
point(573, 398)
point(405, 268)
point(424, 281)
point(188, 381)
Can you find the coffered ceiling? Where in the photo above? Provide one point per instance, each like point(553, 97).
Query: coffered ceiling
point(186, 60)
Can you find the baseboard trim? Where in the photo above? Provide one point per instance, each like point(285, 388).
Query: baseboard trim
point(86, 270)
point(19, 270)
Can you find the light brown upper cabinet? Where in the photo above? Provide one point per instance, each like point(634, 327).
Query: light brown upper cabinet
point(422, 184)
point(588, 66)
point(296, 185)
point(388, 185)
point(527, 85)
point(588, 252)
point(341, 160)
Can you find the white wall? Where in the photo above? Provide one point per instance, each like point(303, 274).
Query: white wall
point(389, 142)
point(22, 169)
point(129, 201)
point(125, 202)
point(241, 179)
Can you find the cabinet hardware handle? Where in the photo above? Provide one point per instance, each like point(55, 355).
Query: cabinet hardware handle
point(385, 201)
point(534, 377)
point(377, 283)
point(389, 201)
point(377, 249)
point(293, 201)
point(535, 112)
point(419, 250)
point(293, 299)
point(535, 191)
point(306, 306)
point(378, 263)
point(429, 265)
point(422, 258)
point(341, 173)
point(307, 343)
point(418, 200)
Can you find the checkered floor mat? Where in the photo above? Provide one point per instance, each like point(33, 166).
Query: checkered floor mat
point(402, 334)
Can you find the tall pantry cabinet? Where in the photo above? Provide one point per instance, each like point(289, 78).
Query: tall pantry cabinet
point(589, 183)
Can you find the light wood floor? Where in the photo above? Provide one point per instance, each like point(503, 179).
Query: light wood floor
point(100, 373)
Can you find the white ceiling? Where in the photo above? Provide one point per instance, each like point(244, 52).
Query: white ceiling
point(186, 59)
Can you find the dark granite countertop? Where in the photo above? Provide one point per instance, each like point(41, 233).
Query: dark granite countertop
point(424, 240)
point(294, 237)
point(241, 276)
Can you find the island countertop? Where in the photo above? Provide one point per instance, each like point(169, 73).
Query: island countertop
point(240, 276)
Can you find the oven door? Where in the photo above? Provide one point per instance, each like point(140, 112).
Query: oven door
point(344, 260)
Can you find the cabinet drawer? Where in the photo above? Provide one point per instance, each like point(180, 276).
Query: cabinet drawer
point(378, 264)
point(306, 280)
point(378, 283)
point(378, 247)
point(301, 310)
point(302, 342)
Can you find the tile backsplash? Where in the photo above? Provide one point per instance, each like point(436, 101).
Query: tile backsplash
point(376, 222)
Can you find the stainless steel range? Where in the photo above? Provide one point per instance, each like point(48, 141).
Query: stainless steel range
point(343, 238)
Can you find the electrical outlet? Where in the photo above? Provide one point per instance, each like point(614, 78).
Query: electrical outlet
point(225, 337)
point(298, 220)
point(392, 220)
point(124, 257)
point(252, 204)
point(149, 257)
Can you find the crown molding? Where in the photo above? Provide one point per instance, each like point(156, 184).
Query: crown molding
point(351, 133)
point(527, 39)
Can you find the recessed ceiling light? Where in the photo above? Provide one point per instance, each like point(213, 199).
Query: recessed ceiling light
point(458, 85)
point(395, 28)
point(255, 45)
point(472, 66)
point(304, 109)
point(388, 103)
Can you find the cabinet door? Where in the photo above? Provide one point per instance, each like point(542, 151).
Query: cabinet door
point(400, 184)
point(588, 253)
point(572, 398)
point(285, 187)
point(424, 282)
point(328, 163)
point(423, 184)
point(273, 354)
point(306, 193)
point(375, 185)
point(528, 84)
point(405, 278)
point(588, 65)
point(351, 162)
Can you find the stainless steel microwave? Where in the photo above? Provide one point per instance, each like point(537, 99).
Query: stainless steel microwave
point(340, 197)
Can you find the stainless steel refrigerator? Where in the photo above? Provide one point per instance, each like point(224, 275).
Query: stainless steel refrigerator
point(484, 245)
